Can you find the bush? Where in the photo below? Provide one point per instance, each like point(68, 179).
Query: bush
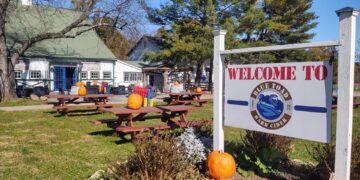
point(260, 153)
point(195, 146)
point(325, 156)
point(156, 158)
point(258, 141)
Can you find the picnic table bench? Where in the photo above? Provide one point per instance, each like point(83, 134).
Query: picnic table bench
point(184, 98)
point(66, 102)
point(355, 103)
point(172, 116)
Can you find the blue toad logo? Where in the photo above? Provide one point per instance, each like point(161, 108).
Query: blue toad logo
point(271, 105)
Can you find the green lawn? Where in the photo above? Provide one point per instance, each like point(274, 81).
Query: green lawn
point(38, 145)
point(22, 102)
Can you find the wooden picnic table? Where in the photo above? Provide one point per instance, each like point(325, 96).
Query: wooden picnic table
point(62, 106)
point(356, 104)
point(185, 98)
point(173, 116)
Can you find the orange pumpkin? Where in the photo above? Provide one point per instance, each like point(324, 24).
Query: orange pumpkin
point(134, 101)
point(221, 165)
point(79, 84)
point(198, 90)
point(82, 91)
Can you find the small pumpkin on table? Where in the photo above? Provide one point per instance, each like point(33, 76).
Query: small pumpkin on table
point(134, 101)
point(198, 90)
point(80, 84)
point(82, 91)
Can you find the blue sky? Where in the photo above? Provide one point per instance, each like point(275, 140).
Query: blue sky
point(328, 27)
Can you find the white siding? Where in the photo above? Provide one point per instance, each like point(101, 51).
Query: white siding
point(120, 69)
point(106, 66)
point(37, 64)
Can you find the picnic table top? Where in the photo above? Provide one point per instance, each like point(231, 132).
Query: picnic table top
point(60, 96)
point(122, 110)
point(159, 109)
point(185, 93)
point(177, 108)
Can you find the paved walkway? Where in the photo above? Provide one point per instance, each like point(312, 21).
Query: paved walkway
point(26, 108)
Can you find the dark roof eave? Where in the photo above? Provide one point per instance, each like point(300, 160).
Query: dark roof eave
point(73, 58)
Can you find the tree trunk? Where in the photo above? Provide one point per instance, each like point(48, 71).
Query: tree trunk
point(198, 73)
point(7, 74)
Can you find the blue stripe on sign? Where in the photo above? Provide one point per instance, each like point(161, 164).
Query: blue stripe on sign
point(310, 109)
point(235, 102)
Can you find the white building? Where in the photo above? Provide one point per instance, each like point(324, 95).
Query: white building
point(60, 63)
point(158, 74)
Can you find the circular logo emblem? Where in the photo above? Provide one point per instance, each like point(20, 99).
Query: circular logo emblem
point(271, 105)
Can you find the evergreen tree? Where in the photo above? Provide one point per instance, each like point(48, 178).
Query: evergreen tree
point(248, 22)
point(190, 38)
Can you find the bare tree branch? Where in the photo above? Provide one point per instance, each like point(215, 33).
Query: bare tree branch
point(61, 34)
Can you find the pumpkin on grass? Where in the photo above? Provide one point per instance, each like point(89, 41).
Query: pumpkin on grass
point(134, 101)
point(221, 165)
point(82, 91)
point(198, 90)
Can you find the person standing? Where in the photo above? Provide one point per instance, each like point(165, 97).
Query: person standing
point(176, 87)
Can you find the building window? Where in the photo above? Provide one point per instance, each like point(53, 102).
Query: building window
point(35, 74)
point(106, 75)
point(84, 74)
point(47, 75)
point(132, 77)
point(95, 75)
point(18, 74)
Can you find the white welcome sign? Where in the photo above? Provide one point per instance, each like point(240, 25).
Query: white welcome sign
point(289, 99)
point(304, 110)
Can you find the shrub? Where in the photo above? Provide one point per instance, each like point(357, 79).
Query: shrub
point(325, 156)
point(195, 146)
point(205, 130)
point(260, 153)
point(355, 158)
point(257, 141)
point(156, 158)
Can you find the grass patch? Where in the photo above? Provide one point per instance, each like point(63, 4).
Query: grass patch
point(22, 102)
point(37, 144)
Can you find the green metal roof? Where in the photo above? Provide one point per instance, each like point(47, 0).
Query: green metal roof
point(138, 64)
point(27, 21)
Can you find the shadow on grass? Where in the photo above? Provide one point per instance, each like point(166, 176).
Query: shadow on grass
point(122, 136)
point(77, 112)
point(102, 133)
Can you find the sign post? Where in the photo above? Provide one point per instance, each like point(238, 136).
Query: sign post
point(344, 122)
point(219, 45)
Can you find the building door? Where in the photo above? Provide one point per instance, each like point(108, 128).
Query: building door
point(71, 77)
point(64, 77)
point(59, 78)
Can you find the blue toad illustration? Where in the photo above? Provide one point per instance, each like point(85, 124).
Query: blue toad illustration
point(270, 106)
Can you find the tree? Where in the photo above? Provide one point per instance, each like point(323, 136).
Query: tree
point(191, 29)
point(120, 10)
point(248, 22)
point(113, 39)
